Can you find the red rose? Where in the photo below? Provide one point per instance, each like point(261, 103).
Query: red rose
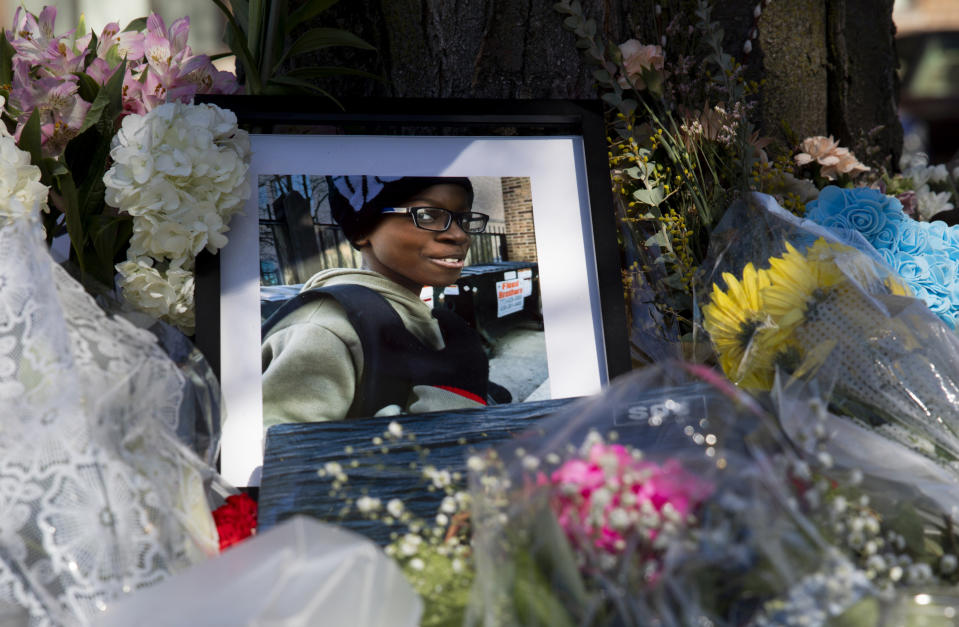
point(236, 520)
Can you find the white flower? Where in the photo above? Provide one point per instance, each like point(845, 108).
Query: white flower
point(333, 468)
point(165, 295)
point(930, 203)
point(367, 504)
point(439, 478)
point(22, 196)
point(448, 505)
point(181, 172)
point(395, 508)
point(410, 544)
point(395, 429)
point(475, 463)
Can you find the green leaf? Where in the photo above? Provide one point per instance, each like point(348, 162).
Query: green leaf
point(91, 50)
point(572, 22)
point(6, 60)
point(907, 523)
point(53, 167)
point(30, 139)
point(241, 12)
point(103, 231)
point(109, 99)
point(287, 85)
point(307, 12)
point(87, 88)
point(650, 197)
point(237, 40)
point(256, 29)
point(536, 601)
point(320, 71)
point(112, 57)
point(602, 76)
point(136, 25)
point(674, 281)
point(613, 99)
point(319, 38)
point(110, 236)
point(865, 613)
point(92, 165)
point(659, 239)
point(71, 211)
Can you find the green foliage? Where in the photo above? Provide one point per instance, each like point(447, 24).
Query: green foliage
point(257, 32)
point(681, 148)
point(75, 178)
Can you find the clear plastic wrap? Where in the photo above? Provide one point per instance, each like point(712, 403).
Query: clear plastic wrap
point(301, 573)
point(98, 496)
point(792, 302)
point(672, 499)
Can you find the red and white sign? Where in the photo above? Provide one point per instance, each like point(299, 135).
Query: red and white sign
point(509, 297)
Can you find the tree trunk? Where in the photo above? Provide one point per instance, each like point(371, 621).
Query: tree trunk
point(829, 65)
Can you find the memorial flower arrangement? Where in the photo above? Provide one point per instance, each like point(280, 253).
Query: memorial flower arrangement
point(427, 531)
point(924, 254)
point(105, 463)
point(790, 303)
point(675, 499)
point(134, 170)
point(925, 190)
point(683, 145)
point(180, 172)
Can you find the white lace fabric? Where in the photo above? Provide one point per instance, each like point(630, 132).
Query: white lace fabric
point(98, 498)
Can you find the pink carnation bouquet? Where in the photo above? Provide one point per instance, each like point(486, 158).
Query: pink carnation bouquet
point(612, 500)
point(672, 499)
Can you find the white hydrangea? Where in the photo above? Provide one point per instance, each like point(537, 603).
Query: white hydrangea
point(181, 172)
point(166, 295)
point(181, 163)
point(22, 196)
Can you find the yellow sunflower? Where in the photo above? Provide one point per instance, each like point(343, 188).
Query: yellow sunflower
point(738, 324)
point(796, 281)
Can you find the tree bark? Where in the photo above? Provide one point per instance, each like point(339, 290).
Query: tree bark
point(829, 65)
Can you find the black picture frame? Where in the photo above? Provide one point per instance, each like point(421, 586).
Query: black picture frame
point(581, 119)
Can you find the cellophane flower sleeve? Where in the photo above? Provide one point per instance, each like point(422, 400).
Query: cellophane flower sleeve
point(98, 496)
point(790, 302)
point(671, 499)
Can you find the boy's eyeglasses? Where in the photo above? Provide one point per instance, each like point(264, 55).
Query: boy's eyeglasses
point(438, 219)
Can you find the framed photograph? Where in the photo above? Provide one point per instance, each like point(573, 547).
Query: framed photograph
point(542, 285)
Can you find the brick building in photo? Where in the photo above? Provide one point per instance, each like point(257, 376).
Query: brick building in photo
point(518, 216)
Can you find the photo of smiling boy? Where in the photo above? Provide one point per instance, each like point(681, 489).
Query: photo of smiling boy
point(361, 342)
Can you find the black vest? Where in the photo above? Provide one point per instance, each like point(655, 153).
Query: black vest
point(394, 360)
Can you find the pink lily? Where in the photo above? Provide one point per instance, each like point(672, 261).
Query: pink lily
point(164, 49)
point(201, 72)
point(31, 37)
point(100, 71)
point(155, 92)
point(64, 126)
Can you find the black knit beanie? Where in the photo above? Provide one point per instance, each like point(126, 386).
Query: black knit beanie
point(356, 201)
